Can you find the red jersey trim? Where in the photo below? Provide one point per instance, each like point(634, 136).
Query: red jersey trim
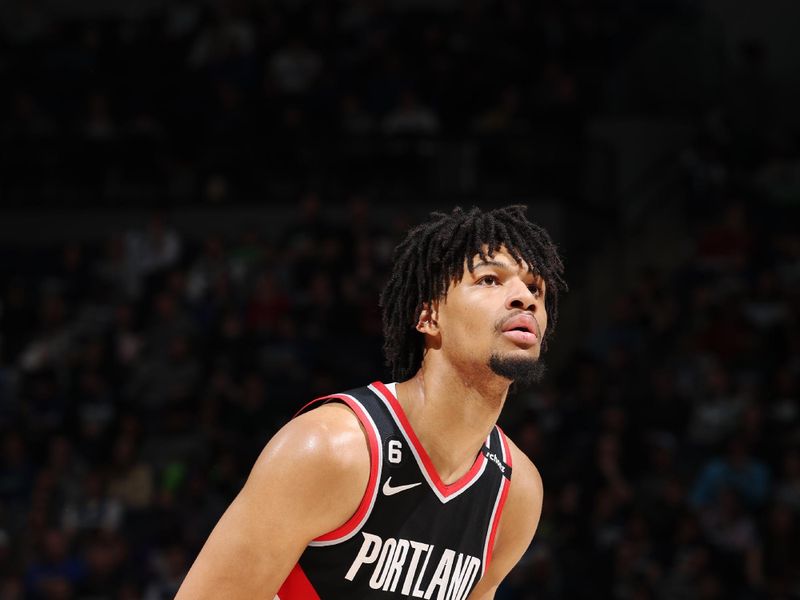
point(502, 494)
point(354, 523)
point(297, 587)
point(444, 491)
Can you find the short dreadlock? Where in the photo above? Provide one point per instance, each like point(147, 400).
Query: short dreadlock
point(432, 256)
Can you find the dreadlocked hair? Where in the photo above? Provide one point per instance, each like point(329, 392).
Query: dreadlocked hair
point(433, 255)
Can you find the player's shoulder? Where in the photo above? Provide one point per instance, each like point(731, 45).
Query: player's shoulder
point(518, 522)
point(308, 481)
point(327, 440)
point(526, 490)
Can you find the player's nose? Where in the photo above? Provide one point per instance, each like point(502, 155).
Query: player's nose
point(521, 296)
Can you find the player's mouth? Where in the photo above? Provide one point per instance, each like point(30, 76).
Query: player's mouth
point(522, 329)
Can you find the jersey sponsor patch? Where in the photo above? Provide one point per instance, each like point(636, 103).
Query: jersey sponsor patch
point(402, 566)
point(494, 458)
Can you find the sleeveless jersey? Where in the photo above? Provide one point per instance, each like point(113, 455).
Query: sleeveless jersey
point(412, 536)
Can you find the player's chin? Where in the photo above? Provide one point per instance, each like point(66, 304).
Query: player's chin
point(518, 367)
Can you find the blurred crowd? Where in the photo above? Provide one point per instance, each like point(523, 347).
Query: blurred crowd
point(344, 66)
point(670, 443)
point(213, 101)
point(140, 379)
point(141, 376)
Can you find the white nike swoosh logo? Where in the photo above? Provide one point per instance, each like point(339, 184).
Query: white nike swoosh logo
point(388, 490)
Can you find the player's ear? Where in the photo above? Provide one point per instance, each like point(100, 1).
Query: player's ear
point(427, 319)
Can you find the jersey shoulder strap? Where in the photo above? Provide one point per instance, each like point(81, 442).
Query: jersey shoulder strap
point(374, 420)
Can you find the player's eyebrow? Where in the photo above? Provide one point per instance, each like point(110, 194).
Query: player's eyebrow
point(491, 263)
point(494, 263)
point(505, 266)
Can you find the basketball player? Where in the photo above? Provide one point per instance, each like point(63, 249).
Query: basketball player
point(405, 490)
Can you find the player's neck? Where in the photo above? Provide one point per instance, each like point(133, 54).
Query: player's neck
point(451, 415)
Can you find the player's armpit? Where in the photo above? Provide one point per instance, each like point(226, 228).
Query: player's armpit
point(518, 523)
point(308, 480)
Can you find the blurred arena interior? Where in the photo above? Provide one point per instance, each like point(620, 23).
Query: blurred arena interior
point(199, 204)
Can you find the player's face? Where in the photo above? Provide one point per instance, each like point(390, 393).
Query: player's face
point(496, 313)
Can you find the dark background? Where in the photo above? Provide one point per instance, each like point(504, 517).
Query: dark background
point(199, 204)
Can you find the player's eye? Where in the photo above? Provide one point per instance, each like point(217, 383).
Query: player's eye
point(490, 280)
point(535, 289)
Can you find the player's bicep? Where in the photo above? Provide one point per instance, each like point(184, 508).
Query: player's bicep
point(307, 481)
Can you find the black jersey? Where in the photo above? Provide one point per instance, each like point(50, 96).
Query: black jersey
point(412, 536)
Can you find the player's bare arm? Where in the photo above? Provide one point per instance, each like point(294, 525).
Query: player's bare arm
point(517, 525)
point(308, 481)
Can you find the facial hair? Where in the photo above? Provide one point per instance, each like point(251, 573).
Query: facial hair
point(521, 370)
